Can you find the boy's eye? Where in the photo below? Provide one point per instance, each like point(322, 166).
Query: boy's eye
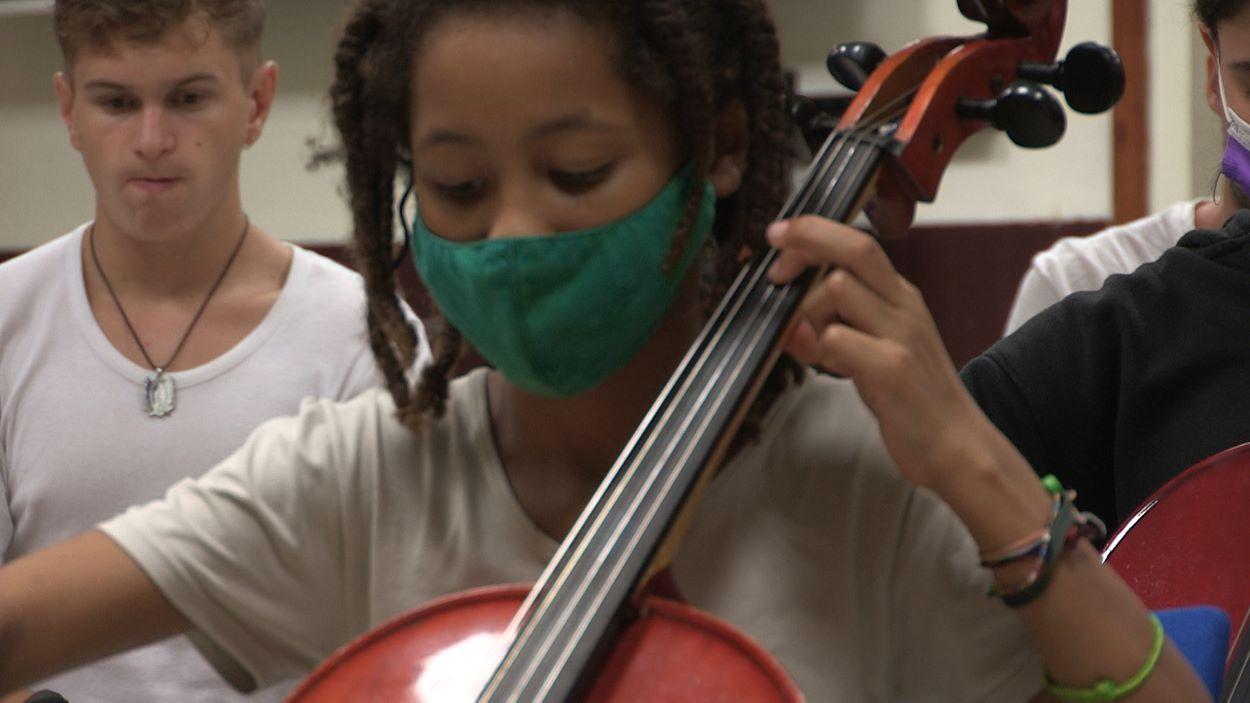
point(117, 103)
point(188, 99)
point(575, 182)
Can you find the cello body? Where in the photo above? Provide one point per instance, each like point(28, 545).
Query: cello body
point(446, 650)
point(1188, 544)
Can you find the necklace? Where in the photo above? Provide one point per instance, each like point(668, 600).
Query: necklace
point(158, 390)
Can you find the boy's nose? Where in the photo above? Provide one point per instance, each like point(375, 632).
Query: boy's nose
point(155, 137)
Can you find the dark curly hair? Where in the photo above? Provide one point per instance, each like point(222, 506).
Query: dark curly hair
point(696, 55)
point(1212, 12)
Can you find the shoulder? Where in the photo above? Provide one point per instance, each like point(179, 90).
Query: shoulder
point(326, 280)
point(336, 292)
point(34, 268)
point(325, 432)
point(32, 284)
point(1230, 241)
point(368, 422)
point(1131, 299)
point(1117, 249)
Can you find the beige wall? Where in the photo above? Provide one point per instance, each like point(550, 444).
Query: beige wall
point(990, 179)
point(44, 192)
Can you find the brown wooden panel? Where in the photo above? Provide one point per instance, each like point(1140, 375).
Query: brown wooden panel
point(1131, 118)
point(969, 274)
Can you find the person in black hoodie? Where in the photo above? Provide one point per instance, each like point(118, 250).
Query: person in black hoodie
point(1117, 391)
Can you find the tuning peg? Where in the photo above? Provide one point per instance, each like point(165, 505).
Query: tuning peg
point(1091, 77)
point(815, 123)
point(851, 63)
point(1029, 115)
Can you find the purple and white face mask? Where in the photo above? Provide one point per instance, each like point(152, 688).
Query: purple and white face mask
point(1236, 162)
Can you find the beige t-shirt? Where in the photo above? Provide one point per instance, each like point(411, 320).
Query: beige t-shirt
point(326, 524)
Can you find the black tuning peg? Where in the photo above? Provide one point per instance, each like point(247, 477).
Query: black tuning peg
point(851, 63)
point(813, 121)
point(1029, 115)
point(1091, 77)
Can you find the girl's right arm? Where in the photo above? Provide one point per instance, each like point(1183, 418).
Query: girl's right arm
point(73, 603)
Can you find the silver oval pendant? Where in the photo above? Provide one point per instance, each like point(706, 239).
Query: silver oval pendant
point(159, 391)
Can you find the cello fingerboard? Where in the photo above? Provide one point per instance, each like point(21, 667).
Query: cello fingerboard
point(559, 631)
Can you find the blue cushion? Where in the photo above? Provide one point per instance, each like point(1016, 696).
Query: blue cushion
point(1201, 633)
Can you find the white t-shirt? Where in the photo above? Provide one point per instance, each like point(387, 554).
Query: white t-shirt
point(324, 525)
point(76, 446)
point(1075, 264)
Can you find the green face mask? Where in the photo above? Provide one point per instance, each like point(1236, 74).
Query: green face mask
point(557, 314)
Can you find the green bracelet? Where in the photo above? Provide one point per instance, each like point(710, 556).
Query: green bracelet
point(1107, 690)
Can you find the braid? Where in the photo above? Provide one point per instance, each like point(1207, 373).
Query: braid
point(667, 23)
point(371, 160)
point(763, 91)
point(432, 393)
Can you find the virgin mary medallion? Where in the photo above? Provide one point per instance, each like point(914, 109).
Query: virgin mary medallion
point(159, 391)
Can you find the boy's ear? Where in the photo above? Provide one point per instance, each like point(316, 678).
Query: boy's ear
point(730, 141)
point(1213, 67)
point(262, 90)
point(65, 104)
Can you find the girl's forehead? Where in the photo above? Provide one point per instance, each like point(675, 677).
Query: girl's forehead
point(500, 65)
point(530, 29)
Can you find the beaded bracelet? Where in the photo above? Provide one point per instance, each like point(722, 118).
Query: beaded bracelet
point(1107, 691)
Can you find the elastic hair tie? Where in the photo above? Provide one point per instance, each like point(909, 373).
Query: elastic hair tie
point(403, 218)
point(1106, 691)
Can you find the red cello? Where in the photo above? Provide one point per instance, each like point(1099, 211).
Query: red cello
point(1188, 545)
point(588, 629)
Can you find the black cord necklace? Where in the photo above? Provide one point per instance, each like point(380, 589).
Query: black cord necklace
point(158, 390)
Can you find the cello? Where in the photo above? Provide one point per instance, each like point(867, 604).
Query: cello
point(1186, 545)
point(589, 628)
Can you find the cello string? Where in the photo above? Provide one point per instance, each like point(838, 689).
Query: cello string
point(700, 411)
point(842, 169)
point(842, 165)
point(874, 118)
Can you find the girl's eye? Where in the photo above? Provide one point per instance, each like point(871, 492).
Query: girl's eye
point(576, 182)
point(463, 192)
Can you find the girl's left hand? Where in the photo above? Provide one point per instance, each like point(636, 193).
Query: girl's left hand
point(868, 323)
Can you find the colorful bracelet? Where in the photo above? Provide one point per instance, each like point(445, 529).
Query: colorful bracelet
point(1039, 578)
point(1031, 546)
point(1106, 691)
point(1065, 527)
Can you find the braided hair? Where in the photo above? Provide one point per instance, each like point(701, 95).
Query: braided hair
point(698, 56)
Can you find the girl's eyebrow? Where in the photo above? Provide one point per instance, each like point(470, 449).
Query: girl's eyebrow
point(580, 122)
point(569, 123)
point(1242, 65)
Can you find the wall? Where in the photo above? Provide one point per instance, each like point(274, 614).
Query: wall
point(990, 178)
point(44, 192)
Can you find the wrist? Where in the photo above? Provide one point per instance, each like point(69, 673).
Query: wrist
point(994, 493)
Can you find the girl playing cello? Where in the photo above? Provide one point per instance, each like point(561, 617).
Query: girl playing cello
point(585, 175)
